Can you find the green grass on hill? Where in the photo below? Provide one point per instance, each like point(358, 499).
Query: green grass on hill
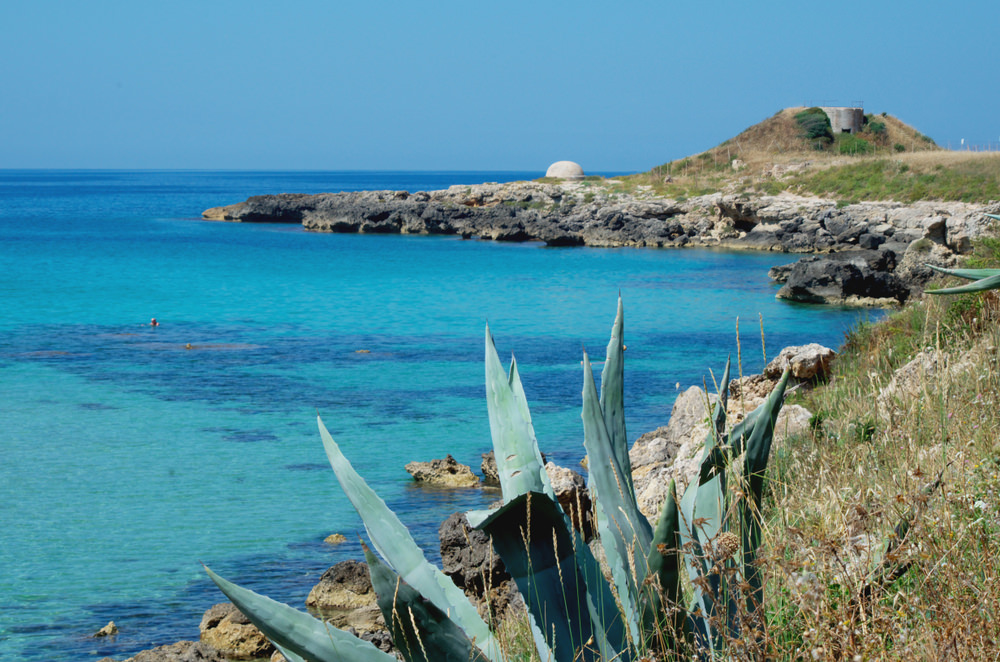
point(971, 180)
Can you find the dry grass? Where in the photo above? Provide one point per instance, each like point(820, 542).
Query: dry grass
point(866, 480)
point(882, 524)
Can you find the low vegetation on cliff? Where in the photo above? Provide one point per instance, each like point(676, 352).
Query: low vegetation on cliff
point(883, 533)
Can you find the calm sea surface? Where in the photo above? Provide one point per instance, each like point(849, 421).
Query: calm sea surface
point(129, 458)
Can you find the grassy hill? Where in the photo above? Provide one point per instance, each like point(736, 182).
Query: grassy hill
point(790, 151)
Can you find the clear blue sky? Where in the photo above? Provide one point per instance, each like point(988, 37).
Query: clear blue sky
point(471, 85)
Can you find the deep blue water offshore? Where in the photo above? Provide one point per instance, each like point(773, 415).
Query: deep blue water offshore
point(128, 459)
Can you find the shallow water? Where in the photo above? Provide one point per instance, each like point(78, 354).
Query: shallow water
point(130, 457)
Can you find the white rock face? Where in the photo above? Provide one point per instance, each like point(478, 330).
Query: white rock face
point(806, 361)
point(565, 170)
point(673, 452)
point(930, 371)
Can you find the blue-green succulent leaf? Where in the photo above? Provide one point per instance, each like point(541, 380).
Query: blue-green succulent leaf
point(624, 531)
point(530, 534)
point(662, 595)
point(303, 635)
point(967, 274)
point(613, 396)
point(395, 544)
point(758, 450)
point(984, 279)
point(289, 655)
point(420, 631)
point(519, 462)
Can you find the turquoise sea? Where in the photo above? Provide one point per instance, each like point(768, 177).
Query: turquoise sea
point(129, 458)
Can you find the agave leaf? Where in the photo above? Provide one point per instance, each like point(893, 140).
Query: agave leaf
point(514, 381)
point(968, 274)
point(994, 217)
point(298, 632)
point(989, 279)
point(664, 568)
point(612, 634)
point(420, 631)
point(701, 613)
point(613, 397)
point(394, 542)
point(519, 462)
point(624, 531)
point(754, 467)
point(718, 415)
point(531, 536)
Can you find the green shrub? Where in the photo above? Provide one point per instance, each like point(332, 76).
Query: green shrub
point(848, 143)
point(899, 147)
point(815, 125)
point(876, 128)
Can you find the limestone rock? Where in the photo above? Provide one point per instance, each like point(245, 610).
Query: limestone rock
point(489, 468)
point(808, 362)
point(913, 267)
point(571, 491)
point(108, 630)
point(673, 452)
point(447, 472)
point(928, 370)
point(182, 651)
point(335, 539)
point(850, 278)
point(467, 557)
point(226, 629)
point(565, 170)
point(344, 596)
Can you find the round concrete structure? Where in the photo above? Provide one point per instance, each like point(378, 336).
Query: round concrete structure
point(565, 170)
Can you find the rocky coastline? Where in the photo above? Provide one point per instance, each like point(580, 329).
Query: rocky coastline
point(344, 595)
point(886, 244)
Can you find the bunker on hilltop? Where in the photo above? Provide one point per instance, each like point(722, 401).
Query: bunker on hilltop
point(565, 170)
point(845, 119)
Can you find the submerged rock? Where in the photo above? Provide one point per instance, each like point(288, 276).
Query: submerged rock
point(108, 630)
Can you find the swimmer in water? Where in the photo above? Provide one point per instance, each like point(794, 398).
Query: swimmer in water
point(153, 322)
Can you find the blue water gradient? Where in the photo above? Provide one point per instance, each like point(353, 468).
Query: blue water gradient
point(130, 457)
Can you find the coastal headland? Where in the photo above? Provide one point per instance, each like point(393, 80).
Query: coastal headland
point(877, 201)
point(881, 245)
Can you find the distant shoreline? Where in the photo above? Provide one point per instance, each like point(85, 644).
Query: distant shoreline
point(872, 238)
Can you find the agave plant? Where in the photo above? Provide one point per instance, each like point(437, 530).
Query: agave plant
point(703, 541)
point(982, 279)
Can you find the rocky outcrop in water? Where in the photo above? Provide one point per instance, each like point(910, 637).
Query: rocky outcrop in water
point(226, 629)
point(594, 214)
point(448, 472)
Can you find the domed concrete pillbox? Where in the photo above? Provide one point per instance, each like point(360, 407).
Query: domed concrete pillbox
point(565, 170)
